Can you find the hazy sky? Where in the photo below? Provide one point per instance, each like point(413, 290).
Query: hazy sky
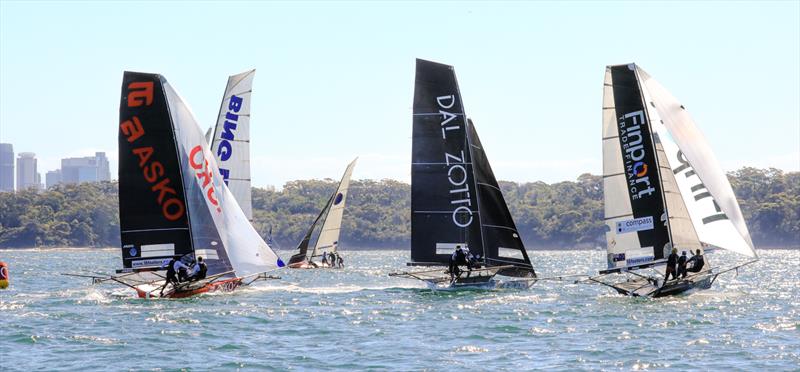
point(335, 80)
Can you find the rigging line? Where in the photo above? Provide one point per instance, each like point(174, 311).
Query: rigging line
point(164, 229)
point(619, 216)
point(437, 113)
point(613, 175)
point(501, 227)
point(448, 212)
point(608, 138)
point(492, 186)
point(470, 163)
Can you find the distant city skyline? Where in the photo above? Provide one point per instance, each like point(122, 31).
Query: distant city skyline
point(335, 80)
point(23, 172)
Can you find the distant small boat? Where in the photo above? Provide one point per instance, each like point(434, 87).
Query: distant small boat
point(663, 189)
point(173, 201)
point(328, 238)
point(456, 201)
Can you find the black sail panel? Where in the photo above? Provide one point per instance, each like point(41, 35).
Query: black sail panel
point(154, 222)
point(443, 200)
point(639, 159)
point(502, 243)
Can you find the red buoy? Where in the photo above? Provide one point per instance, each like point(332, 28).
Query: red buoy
point(3, 275)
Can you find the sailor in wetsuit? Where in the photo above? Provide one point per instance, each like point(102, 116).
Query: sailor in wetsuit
point(682, 265)
point(457, 258)
point(672, 262)
point(182, 270)
point(199, 269)
point(171, 278)
point(697, 263)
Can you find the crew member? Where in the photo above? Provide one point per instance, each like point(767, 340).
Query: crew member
point(697, 263)
point(171, 278)
point(456, 259)
point(199, 270)
point(324, 258)
point(672, 262)
point(341, 262)
point(182, 270)
point(682, 265)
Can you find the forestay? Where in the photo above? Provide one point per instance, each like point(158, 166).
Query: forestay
point(177, 200)
point(231, 139)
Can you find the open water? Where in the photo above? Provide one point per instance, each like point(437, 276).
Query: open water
point(360, 319)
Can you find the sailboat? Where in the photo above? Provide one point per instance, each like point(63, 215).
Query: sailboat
point(328, 238)
point(173, 201)
point(663, 190)
point(230, 141)
point(456, 202)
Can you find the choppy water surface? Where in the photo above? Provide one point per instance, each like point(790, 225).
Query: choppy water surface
point(359, 319)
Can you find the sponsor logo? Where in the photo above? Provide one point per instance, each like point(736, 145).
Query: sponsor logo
point(699, 190)
point(456, 172)
point(147, 263)
point(338, 199)
point(618, 257)
point(636, 224)
point(225, 149)
point(634, 152)
point(639, 260)
point(172, 208)
point(133, 251)
point(204, 175)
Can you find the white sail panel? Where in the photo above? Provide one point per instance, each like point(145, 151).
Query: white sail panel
point(231, 139)
point(329, 234)
point(705, 189)
point(246, 250)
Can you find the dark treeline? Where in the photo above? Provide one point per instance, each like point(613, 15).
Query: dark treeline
point(561, 215)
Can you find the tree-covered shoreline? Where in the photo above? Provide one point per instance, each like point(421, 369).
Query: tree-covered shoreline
point(563, 215)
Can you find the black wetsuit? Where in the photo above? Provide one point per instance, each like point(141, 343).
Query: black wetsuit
point(699, 262)
point(170, 277)
point(201, 274)
point(682, 266)
point(672, 261)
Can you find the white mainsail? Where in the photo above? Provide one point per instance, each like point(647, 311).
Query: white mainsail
point(329, 234)
point(703, 185)
point(231, 139)
point(244, 247)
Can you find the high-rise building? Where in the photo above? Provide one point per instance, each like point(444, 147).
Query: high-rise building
point(89, 169)
point(6, 167)
point(27, 175)
point(53, 178)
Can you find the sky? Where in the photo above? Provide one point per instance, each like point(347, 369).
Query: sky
point(335, 80)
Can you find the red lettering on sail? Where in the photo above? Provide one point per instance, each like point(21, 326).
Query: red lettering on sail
point(204, 174)
point(132, 129)
point(140, 93)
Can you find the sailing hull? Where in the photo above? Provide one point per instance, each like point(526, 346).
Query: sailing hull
point(642, 287)
point(306, 265)
point(227, 285)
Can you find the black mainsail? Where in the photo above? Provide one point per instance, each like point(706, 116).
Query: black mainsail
point(455, 198)
point(302, 248)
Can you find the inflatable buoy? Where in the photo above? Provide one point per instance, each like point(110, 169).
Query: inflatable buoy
point(3, 275)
